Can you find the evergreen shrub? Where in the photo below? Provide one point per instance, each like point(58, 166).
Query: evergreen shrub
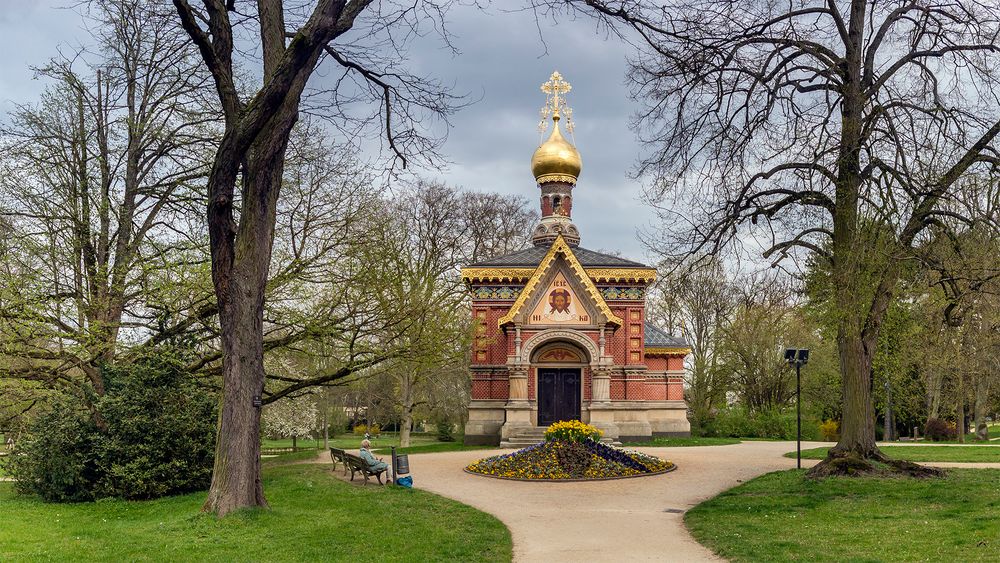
point(444, 427)
point(156, 438)
point(57, 458)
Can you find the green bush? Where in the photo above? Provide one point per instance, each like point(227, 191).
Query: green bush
point(157, 438)
point(737, 422)
point(57, 458)
point(160, 438)
point(444, 428)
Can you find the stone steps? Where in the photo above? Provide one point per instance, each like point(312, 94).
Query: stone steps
point(531, 436)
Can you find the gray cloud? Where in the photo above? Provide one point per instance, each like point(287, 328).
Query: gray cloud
point(502, 60)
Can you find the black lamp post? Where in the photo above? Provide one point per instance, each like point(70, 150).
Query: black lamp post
point(798, 357)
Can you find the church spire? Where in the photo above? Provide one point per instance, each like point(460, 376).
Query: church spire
point(556, 165)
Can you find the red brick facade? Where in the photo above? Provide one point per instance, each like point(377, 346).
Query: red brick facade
point(654, 377)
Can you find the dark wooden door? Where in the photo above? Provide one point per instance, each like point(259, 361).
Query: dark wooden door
point(558, 395)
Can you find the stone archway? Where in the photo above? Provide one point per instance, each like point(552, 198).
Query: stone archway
point(559, 367)
point(538, 344)
point(565, 335)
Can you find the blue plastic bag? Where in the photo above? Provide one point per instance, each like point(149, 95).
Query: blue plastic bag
point(405, 482)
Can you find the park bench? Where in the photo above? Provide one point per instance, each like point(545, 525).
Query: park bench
point(358, 465)
point(337, 454)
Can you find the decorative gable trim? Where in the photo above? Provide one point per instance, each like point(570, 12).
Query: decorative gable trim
point(599, 275)
point(667, 351)
point(560, 247)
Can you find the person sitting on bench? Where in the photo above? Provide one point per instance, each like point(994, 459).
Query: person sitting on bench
point(366, 454)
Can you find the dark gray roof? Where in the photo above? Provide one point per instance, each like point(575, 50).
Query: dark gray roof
point(655, 336)
point(532, 256)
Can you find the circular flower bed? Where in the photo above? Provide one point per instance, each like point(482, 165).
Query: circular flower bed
point(570, 453)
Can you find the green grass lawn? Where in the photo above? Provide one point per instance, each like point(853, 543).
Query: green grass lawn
point(433, 447)
point(924, 453)
point(684, 442)
point(352, 442)
point(419, 443)
point(287, 443)
point(784, 516)
point(313, 517)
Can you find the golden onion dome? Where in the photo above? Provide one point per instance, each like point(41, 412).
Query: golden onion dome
point(556, 160)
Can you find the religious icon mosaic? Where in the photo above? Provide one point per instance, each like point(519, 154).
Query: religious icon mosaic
point(559, 305)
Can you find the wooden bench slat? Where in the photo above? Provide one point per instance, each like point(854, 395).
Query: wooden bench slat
point(355, 464)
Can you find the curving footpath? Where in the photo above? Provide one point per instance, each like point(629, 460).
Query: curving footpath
point(629, 519)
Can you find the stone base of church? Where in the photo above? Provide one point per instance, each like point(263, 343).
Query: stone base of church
point(624, 421)
point(636, 421)
point(486, 418)
point(520, 416)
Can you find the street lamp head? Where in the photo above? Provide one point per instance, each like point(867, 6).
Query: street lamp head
point(797, 356)
point(790, 355)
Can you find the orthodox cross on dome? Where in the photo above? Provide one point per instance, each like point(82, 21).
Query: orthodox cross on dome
point(555, 102)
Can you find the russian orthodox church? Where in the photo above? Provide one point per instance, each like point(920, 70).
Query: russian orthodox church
point(561, 331)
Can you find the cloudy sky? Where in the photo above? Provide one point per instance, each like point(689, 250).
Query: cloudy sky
point(502, 62)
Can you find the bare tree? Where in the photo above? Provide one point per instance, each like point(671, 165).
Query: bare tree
point(699, 304)
point(799, 127)
point(751, 343)
point(495, 224)
point(96, 181)
point(292, 40)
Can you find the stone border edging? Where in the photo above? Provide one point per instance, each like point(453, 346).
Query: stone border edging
point(672, 467)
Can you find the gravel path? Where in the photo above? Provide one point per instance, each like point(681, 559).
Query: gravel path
point(628, 519)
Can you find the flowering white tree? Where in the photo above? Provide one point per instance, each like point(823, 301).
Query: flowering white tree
point(290, 417)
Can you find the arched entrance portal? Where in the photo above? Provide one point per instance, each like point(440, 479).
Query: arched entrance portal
point(559, 373)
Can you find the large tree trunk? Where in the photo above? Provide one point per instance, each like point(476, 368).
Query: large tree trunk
point(857, 429)
point(982, 390)
point(236, 481)
point(406, 389)
point(859, 319)
point(960, 409)
point(256, 137)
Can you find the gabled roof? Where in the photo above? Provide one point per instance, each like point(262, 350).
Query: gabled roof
point(559, 248)
point(533, 256)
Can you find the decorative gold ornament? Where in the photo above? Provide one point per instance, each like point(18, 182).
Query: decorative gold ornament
point(597, 275)
point(473, 275)
point(556, 160)
point(664, 351)
point(555, 102)
point(637, 275)
point(545, 178)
